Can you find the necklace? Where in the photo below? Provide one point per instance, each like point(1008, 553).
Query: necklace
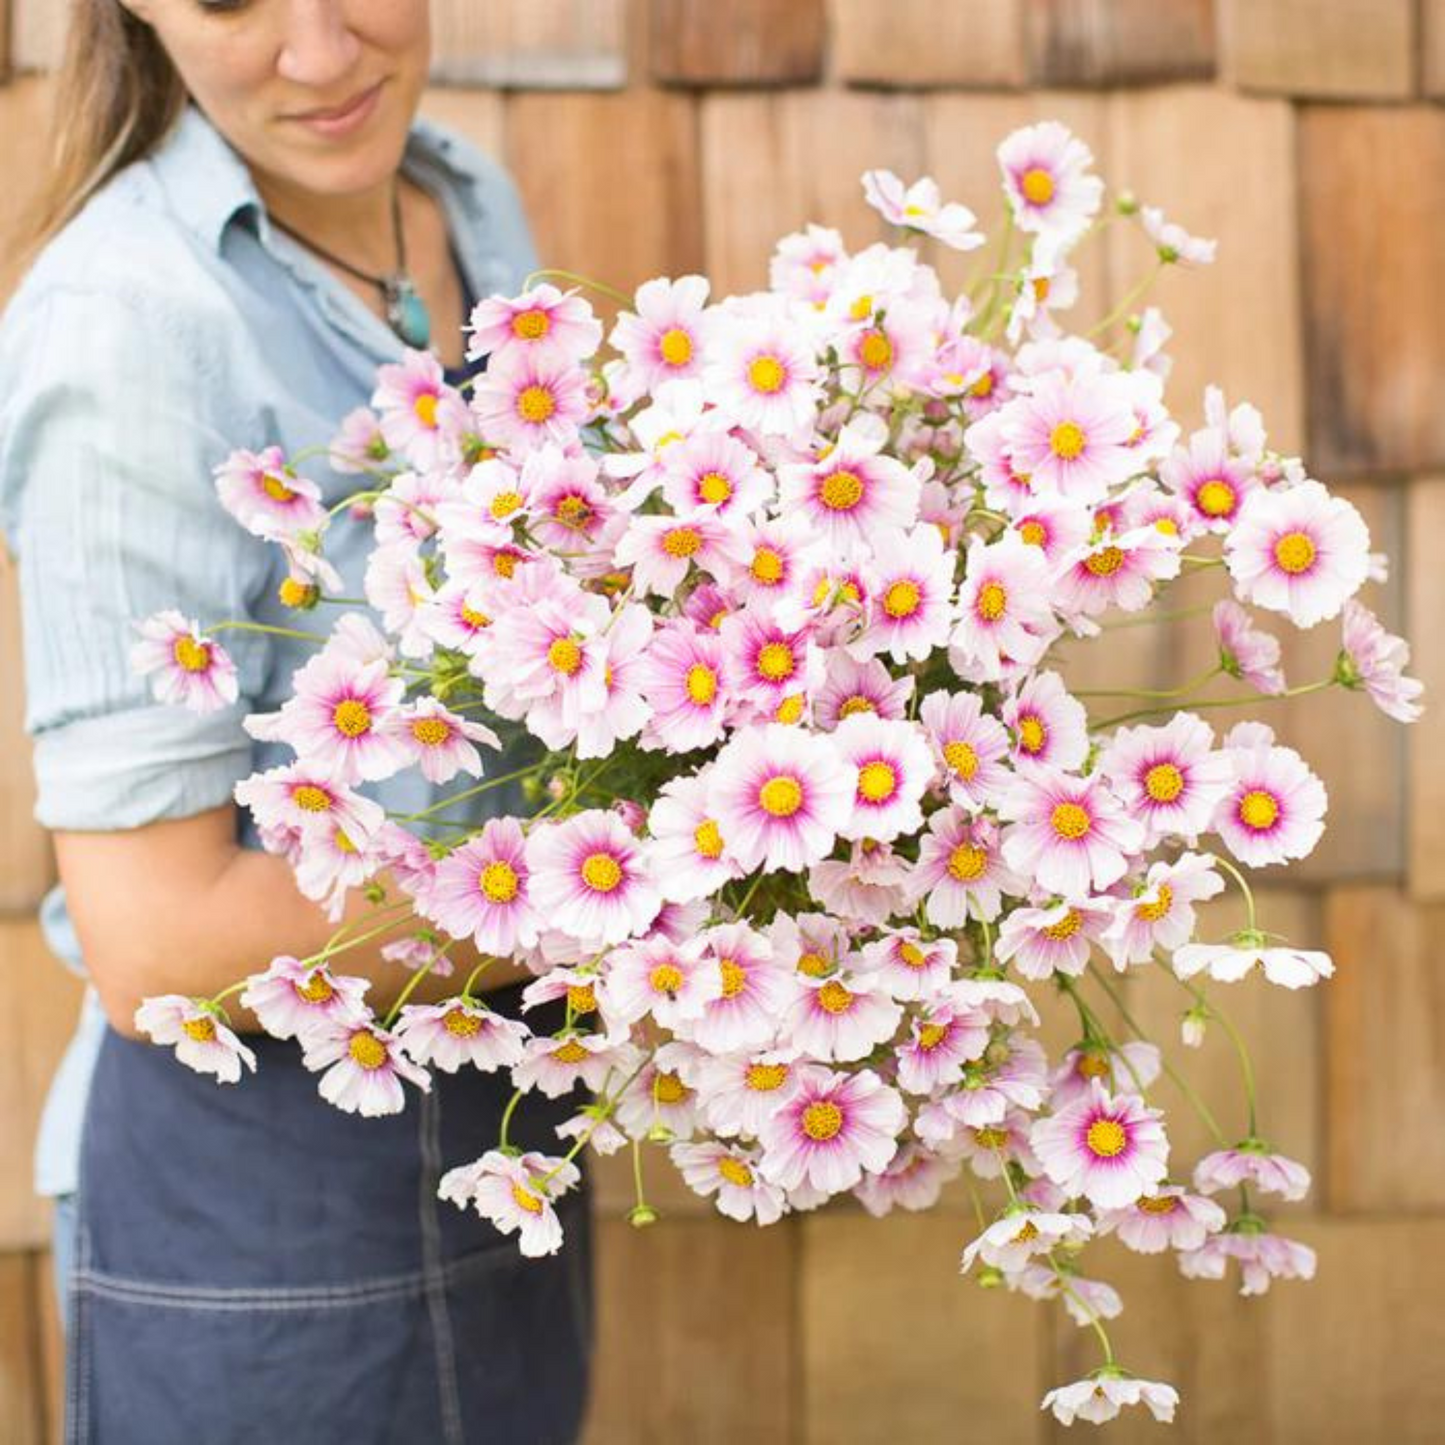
point(406, 312)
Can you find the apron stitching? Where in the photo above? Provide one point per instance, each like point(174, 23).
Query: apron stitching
point(434, 1272)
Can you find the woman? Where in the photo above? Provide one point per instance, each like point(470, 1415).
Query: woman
point(245, 220)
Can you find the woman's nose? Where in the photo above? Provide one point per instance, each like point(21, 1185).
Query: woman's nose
point(318, 45)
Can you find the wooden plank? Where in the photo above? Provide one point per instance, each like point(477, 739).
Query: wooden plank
point(52, 1345)
point(737, 42)
point(1432, 19)
point(896, 1346)
point(567, 44)
point(1385, 1052)
point(696, 1335)
point(22, 1400)
point(921, 43)
point(1334, 49)
point(1372, 183)
point(479, 115)
point(567, 152)
point(1120, 42)
point(1425, 740)
point(27, 866)
point(44, 999)
point(614, 1191)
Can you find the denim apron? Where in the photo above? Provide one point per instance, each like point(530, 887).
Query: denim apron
point(253, 1265)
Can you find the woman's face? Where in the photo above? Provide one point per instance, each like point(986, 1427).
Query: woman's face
point(316, 95)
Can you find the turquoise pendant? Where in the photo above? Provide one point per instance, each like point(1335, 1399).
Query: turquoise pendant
point(407, 314)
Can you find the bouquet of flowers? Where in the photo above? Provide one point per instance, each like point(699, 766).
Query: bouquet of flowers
point(817, 829)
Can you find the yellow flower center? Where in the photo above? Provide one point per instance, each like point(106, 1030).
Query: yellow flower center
point(1106, 1138)
point(735, 1171)
point(499, 882)
point(775, 661)
point(766, 374)
point(834, 998)
point(781, 796)
point(601, 872)
point(983, 387)
point(992, 601)
point(675, 346)
point(1164, 782)
point(765, 1078)
point(1258, 809)
point(1041, 288)
point(1067, 440)
point(814, 964)
point(1028, 1232)
point(573, 511)
point(861, 309)
point(991, 1138)
point(767, 567)
point(789, 710)
point(967, 862)
point(431, 732)
point(1066, 927)
point(297, 594)
point(1295, 553)
point(569, 1052)
point(1158, 1203)
point(476, 619)
point(536, 404)
point(822, 1120)
point(343, 843)
point(367, 1050)
point(734, 978)
point(961, 758)
point(504, 564)
point(1105, 562)
point(1092, 1066)
point(1034, 533)
point(1070, 821)
point(582, 998)
point(714, 487)
point(855, 705)
point(912, 955)
point(665, 978)
point(505, 503)
point(875, 351)
point(425, 407)
point(531, 325)
point(707, 839)
point(202, 1029)
point(681, 541)
point(193, 656)
point(1037, 185)
point(1215, 498)
point(931, 1035)
point(461, 1023)
point(668, 1088)
point(1033, 735)
point(902, 599)
point(877, 782)
point(352, 717)
point(276, 489)
point(1153, 912)
point(316, 989)
point(841, 491)
point(564, 655)
point(525, 1199)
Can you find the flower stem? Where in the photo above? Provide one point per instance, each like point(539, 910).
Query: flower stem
point(620, 297)
point(1179, 691)
point(1246, 1068)
point(1222, 702)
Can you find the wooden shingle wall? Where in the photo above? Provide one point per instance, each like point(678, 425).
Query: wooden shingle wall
point(672, 135)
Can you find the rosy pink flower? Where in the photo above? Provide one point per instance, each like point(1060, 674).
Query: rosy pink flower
point(263, 493)
point(202, 1042)
point(841, 1017)
point(421, 416)
point(1049, 726)
point(590, 878)
point(775, 553)
point(524, 399)
point(912, 595)
point(780, 796)
point(836, 1127)
point(1275, 806)
point(740, 1090)
point(940, 1041)
point(1170, 1218)
point(1118, 571)
point(1244, 651)
point(482, 891)
point(674, 982)
point(1298, 550)
point(1004, 618)
point(919, 208)
point(869, 886)
point(1255, 1164)
point(910, 967)
point(540, 320)
point(1261, 1256)
point(961, 870)
point(364, 1067)
point(460, 1031)
point(761, 371)
point(1109, 1149)
point(1169, 777)
point(755, 991)
point(731, 1173)
point(661, 549)
point(440, 741)
point(688, 852)
point(293, 997)
point(1041, 942)
point(970, 746)
point(1208, 476)
point(184, 666)
point(1376, 660)
point(1160, 915)
point(517, 1193)
point(894, 767)
point(665, 337)
point(850, 688)
point(714, 470)
point(1045, 178)
point(1104, 1393)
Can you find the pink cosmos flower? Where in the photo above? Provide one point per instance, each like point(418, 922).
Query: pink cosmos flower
point(1262, 1257)
point(1245, 652)
point(961, 870)
point(1208, 476)
point(1070, 835)
point(482, 891)
point(1298, 550)
point(1246, 950)
point(914, 1180)
point(358, 444)
point(850, 688)
point(1168, 777)
point(674, 982)
point(919, 208)
point(439, 740)
point(658, 1101)
point(852, 490)
point(460, 1031)
point(732, 1173)
point(756, 990)
point(263, 493)
point(775, 552)
point(805, 263)
point(836, 1127)
point(1104, 1393)
point(761, 371)
point(687, 850)
point(715, 471)
point(540, 320)
point(293, 998)
point(665, 337)
point(1376, 660)
point(740, 1090)
point(1252, 1163)
point(1275, 806)
point(661, 549)
point(1045, 178)
point(970, 745)
point(1005, 620)
point(202, 1042)
point(913, 595)
point(841, 1017)
point(1086, 1300)
point(910, 967)
point(1109, 1149)
point(184, 667)
point(765, 661)
point(1161, 914)
point(328, 862)
point(1118, 571)
point(590, 878)
point(524, 400)
point(1050, 727)
point(1009, 1243)
point(364, 1067)
point(396, 584)
point(991, 1148)
point(814, 944)
point(1170, 1218)
point(868, 887)
point(555, 1066)
point(939, 1042)
point(517, 1193)
point(1133, 1066)
point(1043, 941)
point(421, 416)
point(895, 768)
point(780, 797)
point(1175, 245)
point(1011, 1075)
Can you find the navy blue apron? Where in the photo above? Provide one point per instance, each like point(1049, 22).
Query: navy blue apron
point(253, 1265)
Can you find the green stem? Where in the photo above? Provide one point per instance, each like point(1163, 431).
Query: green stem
point(507, 1117)
point(466, 793)
point(474, 975)
point(411, 984)
point(1246, 1068)
point(1222, 702)
point(598, 286)
point(267, 627)
point(1179, 691)
point(1243, 887)
point(1135, 293)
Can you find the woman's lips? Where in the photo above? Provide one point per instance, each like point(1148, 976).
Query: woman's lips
point(342, 120)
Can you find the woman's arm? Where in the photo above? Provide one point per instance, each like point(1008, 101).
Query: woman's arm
point(180, 907)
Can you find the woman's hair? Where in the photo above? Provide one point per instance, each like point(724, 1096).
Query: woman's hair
point(116, 96)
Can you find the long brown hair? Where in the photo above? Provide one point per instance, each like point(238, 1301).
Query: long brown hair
point(116, 95)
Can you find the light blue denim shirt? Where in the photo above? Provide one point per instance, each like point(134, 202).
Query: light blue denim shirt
point(166, 325)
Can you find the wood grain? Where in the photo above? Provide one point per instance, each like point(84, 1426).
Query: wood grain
point(22, 1391)
point(1119, 42)
point(737, 42)
point(1425, 739)
point(567, 44)
point(909, 43)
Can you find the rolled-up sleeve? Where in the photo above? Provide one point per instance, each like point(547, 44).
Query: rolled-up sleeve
point(112, 420)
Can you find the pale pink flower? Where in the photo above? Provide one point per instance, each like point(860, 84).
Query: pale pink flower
point(542, 319)
point(517, 1193)
point(1298, 550)
point(775, 554)
point(358, 445)
point(482, 891)
point(1045, 177)
point(814, 944)
point(1118, 571)
point(184, 667)
point(524, 399)
point(555, 1066)
point(1005, 620)
point(1050, 727)
point(294, 997)
point(714, 471)
point(991, 1148)
point(440, 741)
point(661, 549)
point(1160, 914)
point(1170, 1218)
point(805, 263)
point(1252, 1163)
point(1009, 1243)
point(912, 595)
point(1105, 1393)
point(1175, 245)
point(1210, 478)
point(687, 850)
point(869, 886)
point(1246, 951)
point(364, 1067)
point(914, 1180)
point(940, 1040)
point(1169, 776)
point(1043, 941)
point(658, 1101)
point(1131, 1066)
point(919, 208)
point(1262, 1257)
point(739, 1091)
point(1275, 807)
point(1086, 1300)
point(731, 1173)
point(397, 586)
point(1011, 1075)
point(767, 662)
point(202, 1041)
point(909, 966)
point(262, 492)
point(674, 982)
point(460, 1031)
point(961, 872)
point(1110, 1149)
point(894, 769)
point(841, 1017)
point(421, 416)
point(761, 371)
point(1245, 652)
point(970, 745)
point(590, 878)
point(850, 688)
point(1375, 660)
point(756, 990)
point(665, 337)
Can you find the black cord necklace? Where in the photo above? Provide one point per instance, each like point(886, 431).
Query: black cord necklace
point(406, 312)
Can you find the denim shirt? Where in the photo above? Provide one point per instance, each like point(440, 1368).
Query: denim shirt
point(166, 325)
